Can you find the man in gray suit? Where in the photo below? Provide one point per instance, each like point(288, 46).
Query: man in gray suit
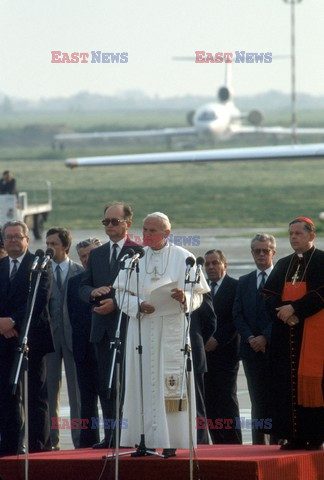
point(63, 268)
point(254, 325)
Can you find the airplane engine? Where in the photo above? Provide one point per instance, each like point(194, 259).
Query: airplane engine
point(224, 94)
point(190, 117)
point(255, 117)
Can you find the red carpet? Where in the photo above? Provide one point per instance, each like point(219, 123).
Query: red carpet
point(214, 462)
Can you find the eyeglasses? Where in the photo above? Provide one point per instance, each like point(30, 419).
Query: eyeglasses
point(114, 221)
point(266, 251)
point(14, 237)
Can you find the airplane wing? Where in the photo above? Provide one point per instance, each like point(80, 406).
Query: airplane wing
point(172, 132)
point(280, 152)
point(276, 130)
point(163, 132)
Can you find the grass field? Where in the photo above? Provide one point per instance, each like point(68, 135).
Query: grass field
point(206, 195)
point(240, 194)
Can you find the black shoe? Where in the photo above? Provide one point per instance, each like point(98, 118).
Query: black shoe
point(101, 445)
point(294, 445)
point(7, 453)
point(169, 452)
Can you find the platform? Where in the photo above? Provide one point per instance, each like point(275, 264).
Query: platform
point(212, 462)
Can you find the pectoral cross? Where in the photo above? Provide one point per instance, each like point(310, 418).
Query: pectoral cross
point(294, 278)
point(155, 277)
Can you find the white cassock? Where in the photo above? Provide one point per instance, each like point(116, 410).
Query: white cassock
point(162, 335)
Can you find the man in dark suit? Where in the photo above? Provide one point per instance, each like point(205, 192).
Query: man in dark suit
point(254, 325)
point(83, 350)
point(222, 354)
point(95, 288)
point(15, 280)
point(203, 325)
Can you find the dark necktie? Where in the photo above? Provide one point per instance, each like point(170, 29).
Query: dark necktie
point(263, 276)
point(58, 277)
point(213, 288)
point(113, 259)
point(14, 270)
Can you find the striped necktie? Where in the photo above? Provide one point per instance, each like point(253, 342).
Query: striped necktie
point(58, 277)
point(14, 270)
point(213, 286)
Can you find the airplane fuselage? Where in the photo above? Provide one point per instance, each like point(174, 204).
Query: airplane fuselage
point(215, 119)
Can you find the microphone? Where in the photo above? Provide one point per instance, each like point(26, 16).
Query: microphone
point(48, 255)
point(200, 264)
point(140, 253)
point(38, 255)
point(190, 263)
point(129, 253)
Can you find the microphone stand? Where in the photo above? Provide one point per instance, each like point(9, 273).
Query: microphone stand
point(115, 344)
point(22, 362)
point(187, 371)
point(141, 450)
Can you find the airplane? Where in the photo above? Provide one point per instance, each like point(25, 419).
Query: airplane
point(215, 120)
point(211, 122)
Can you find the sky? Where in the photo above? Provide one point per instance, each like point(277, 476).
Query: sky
point(152, 32)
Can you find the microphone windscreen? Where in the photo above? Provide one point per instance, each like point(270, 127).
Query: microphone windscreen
point(141, 252)
point(200, 261)
point(190, 261)
point(50, 252)
point(39, 253)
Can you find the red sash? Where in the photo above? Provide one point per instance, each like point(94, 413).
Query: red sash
point(311, 362)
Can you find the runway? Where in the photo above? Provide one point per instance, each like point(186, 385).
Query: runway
point(235, 243)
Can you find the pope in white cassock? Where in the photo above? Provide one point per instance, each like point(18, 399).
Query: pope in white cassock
point(163, 302)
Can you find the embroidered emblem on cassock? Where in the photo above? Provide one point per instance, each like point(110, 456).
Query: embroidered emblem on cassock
point(172, 394)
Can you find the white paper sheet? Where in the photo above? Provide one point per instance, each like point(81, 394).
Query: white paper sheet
point(160, 298)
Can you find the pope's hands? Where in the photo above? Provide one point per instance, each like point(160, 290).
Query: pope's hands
point(178, 294)
point(146, 308)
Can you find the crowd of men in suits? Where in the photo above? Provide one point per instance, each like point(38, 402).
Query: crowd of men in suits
point(74, 320)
